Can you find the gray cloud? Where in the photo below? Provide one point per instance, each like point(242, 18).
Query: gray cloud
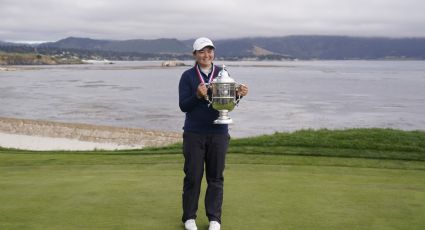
point(49, 20)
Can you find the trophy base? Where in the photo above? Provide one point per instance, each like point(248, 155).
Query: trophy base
point(223, 118)
point(223, 121)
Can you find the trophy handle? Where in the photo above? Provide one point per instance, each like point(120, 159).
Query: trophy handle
point(238, 98)
point(207, 98)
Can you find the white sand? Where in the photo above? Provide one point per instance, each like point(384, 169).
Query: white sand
point(28, 142)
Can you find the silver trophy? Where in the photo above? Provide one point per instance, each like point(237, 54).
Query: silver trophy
point(223, 96)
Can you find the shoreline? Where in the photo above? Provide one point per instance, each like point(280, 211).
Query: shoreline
point(51, 135)
point(7, 68)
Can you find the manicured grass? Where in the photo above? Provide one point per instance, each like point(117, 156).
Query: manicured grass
point(304, 180)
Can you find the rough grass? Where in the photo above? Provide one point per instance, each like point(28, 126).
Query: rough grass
point(371, 143)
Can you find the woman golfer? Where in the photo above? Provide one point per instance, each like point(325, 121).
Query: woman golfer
point(204, 143)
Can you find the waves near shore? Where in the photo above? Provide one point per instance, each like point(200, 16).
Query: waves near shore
point(107, 137)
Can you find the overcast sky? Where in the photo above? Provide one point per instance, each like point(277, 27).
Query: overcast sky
point(51, 20)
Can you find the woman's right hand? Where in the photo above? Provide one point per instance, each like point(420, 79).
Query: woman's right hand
point(202, 91)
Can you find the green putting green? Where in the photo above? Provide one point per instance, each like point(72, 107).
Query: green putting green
point(108, 191)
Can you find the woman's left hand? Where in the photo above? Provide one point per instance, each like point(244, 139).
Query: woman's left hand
point(242, 91)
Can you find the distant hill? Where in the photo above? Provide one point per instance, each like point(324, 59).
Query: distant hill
point(259, 48)
point(342, 47)
point(3, 43)
point(327, 47)
point(138, 45)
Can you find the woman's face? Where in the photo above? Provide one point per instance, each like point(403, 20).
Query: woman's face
point(204, 57)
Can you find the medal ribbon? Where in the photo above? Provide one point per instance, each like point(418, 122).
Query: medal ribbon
point(201, 79)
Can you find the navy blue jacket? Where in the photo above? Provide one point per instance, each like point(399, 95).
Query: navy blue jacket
point(199, 117)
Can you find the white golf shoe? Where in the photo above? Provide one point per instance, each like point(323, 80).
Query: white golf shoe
point(214, 225)
point(190, 225)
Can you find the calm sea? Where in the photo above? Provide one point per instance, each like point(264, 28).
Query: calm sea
point(283, 96)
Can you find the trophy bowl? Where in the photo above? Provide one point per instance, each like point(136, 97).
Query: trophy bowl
point(223, 97)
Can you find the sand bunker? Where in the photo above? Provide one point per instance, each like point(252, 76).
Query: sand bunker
point(48, 135)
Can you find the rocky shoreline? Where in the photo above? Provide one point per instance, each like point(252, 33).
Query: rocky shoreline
point(36, 59)
point(6, 68)
point(117, 136)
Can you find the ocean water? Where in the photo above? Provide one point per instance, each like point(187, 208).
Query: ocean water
point(283, 96)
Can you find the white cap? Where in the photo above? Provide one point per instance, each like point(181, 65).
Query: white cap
point(201, 43)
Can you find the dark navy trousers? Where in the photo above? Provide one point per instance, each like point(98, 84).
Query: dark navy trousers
point(201, 150)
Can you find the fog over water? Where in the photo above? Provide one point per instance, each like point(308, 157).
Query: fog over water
point(283, 96)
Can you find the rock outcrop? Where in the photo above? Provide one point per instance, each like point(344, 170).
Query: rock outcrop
point(34, 59)
point(172, 63)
